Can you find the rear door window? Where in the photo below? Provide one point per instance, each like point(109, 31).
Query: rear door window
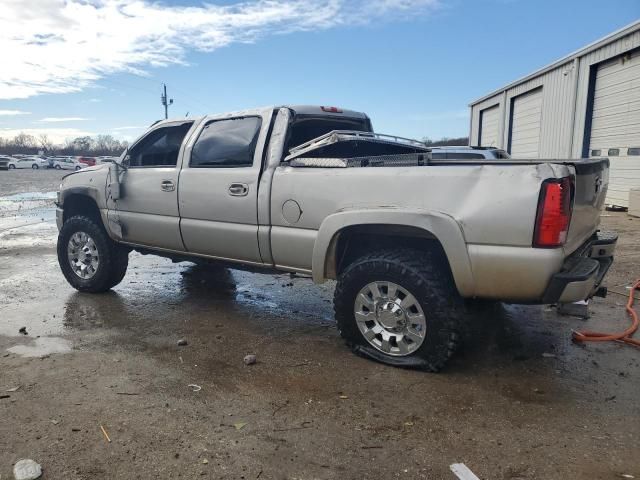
point(227, 143)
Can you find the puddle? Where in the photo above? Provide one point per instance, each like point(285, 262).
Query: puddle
point(41, 347)
point(26, 201)
point(42, 233)
point(26, 209)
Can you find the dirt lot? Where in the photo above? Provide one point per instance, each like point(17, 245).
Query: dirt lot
point(519, 402)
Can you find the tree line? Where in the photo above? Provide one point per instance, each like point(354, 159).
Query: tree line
point(98, 145)
point(446, 142)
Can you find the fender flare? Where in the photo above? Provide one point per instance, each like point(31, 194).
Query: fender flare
point(441, 226)
point(91, 192)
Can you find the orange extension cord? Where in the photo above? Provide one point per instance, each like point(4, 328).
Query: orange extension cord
point(622, 337)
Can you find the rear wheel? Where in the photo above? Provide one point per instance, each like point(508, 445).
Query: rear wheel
point(57, 167)
point(88, 258)
point(400, 308)
point(35, 166)
point(78, 168)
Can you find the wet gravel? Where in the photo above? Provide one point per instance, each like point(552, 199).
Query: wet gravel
point(520, 401)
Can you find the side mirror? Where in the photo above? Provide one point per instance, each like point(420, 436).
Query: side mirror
point(124, 161)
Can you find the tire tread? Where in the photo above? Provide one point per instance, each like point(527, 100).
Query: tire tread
point(432, 278)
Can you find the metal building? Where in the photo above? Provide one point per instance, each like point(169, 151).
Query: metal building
point(586, 104)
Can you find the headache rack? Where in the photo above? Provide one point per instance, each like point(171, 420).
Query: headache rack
point(393, 151)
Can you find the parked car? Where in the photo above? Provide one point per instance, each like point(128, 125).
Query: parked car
point(7, 162)
point(106, 159)
point(89, 161)
point(313, 190)
point(52, 159)
point(23, 162)
point(468, 153)
point(68, 163)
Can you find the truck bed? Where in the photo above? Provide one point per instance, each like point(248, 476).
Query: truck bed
point(502, 194)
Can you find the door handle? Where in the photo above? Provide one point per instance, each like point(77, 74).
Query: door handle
point(167, 186)
point(238, 189)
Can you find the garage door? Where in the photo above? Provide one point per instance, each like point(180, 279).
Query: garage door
point(489, 127)
point(524, 137)
point(615, 124)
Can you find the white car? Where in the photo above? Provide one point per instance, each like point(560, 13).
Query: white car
point(68, 163)
point(10, 163)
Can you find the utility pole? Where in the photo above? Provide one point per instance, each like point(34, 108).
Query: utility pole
point(163, 99)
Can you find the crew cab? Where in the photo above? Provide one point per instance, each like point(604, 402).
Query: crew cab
point(314, 190)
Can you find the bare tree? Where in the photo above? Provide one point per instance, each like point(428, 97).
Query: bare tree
point(23, 140)
point(45, 142)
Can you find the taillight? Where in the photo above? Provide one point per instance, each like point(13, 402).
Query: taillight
point(554, 213)
point(331, 109)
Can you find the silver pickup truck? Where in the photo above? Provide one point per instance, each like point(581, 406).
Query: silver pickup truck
point(408, 237)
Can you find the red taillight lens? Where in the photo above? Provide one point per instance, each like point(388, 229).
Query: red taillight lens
point(331, 109)
point(554, 214)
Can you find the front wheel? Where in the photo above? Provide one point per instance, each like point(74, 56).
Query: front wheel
point(34, 166)
point(400, 308)
point(88, 258)
point(78, 168)
point(12, 167)
point(57, 167)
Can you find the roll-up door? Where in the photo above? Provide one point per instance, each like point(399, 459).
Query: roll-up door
point(615, 124)
point(489, 127)
point(524, 135)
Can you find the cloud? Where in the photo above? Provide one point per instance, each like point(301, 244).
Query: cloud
point(62, 119)
point(94, 100)
point(56, 135)
point(61, 46)
point(11, 113)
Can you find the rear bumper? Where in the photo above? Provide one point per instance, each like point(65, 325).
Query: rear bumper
point(583, 272)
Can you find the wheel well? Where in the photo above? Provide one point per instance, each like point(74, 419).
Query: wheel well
point(78, 204)
point(352, 242)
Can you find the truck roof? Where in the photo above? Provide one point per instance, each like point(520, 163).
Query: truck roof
point(316, 110)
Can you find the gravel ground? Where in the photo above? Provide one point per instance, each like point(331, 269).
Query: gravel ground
point(521, 401)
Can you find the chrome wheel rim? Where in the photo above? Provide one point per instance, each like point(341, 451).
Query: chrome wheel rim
point(390, 318)
point(83, 255)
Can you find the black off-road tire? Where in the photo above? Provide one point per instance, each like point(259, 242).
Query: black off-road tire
point(114, 258)
point(429, 280)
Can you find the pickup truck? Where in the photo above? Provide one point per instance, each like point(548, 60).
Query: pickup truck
point(411, 240)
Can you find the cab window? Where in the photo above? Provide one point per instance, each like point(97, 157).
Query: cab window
point(227, 143)
point(160, 148)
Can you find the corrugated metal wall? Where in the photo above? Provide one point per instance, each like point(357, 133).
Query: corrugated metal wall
point(564, 101)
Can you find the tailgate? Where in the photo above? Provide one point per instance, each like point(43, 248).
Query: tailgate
point(591, 182)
